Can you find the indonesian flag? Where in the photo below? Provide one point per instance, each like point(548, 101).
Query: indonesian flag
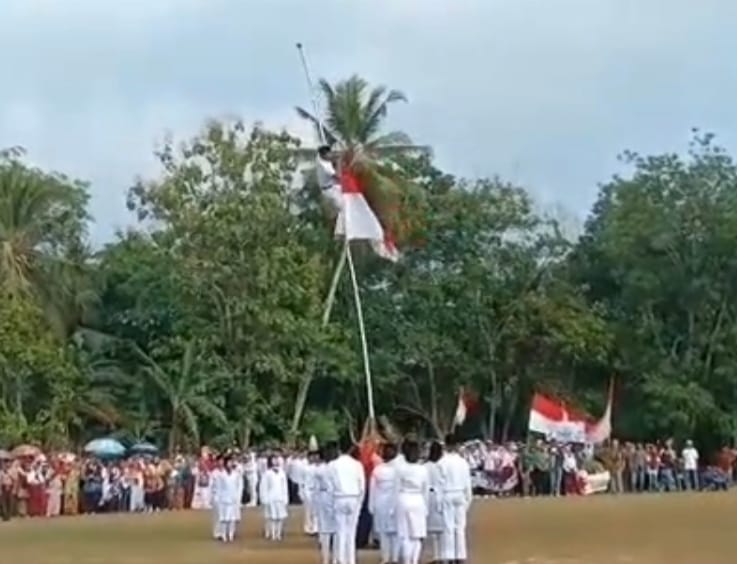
point(357, 221)
point(466, 404)
point(557, 421)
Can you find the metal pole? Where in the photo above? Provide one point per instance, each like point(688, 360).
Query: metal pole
point(364, 342)
point(346, 254)
point(313, 96)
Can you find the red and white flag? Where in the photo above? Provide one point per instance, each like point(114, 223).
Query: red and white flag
point(601, 430)
point(557, 421)
point(466, 405)
point(357, 221)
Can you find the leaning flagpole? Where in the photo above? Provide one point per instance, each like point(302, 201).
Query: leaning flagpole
point(330, 301)
point(346, 256)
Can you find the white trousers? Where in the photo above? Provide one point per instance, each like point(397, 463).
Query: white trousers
point(218, 530)
point(310, 524)
point(347, 510)
point(453, 540)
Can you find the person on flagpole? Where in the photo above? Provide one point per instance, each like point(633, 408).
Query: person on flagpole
point(327, 177)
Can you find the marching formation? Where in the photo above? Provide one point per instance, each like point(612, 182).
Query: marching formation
point(407, 498)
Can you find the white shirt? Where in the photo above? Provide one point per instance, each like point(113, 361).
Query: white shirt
point(229, 489)
point(569, 462)
point(690, 458)
point(347, 477)
point(326, 176)
point(383, 486)
point(273, 487)
point(456, 475)
point(412, 479)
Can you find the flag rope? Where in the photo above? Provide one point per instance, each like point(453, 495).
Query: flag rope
point(346, 256)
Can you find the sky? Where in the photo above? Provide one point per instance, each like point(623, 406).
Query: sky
point(545, 93)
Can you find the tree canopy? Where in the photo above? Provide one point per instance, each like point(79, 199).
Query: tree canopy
point(202, 322)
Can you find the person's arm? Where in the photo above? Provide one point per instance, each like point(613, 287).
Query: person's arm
point(372, 494)
point(468, 487)
point(361, 480)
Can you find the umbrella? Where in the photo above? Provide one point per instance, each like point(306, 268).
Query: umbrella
point(25, 451)
point(5, 455)
point(144, 448)
point(105, 448)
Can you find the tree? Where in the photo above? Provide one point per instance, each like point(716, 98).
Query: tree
point(658, 255)
point(42, 224)
point(353, 119)
point(186, 388)
point(253, 289)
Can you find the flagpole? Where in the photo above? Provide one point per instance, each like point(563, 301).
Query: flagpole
point(346, 256)
point(330, 301)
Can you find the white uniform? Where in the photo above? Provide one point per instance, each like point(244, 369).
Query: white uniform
point(383, 492)
point(412, 505)
point(307, 495)
point(348, 484)
point(202, 494)
point(435, 524)
point(328, 182)
point(456, 495)
point(217, 529)
point(324, 511)
point(250, 469)
point(229, 492)
point(274, 495)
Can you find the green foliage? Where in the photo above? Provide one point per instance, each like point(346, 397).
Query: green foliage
point(204, 323)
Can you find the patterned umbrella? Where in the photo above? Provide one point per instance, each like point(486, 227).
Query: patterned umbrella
point(105, 448)
point(25, 451)
point(144, 448)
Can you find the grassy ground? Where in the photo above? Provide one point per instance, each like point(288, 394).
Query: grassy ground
point(658, 529)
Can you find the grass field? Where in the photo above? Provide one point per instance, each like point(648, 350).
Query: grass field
point(657, 529)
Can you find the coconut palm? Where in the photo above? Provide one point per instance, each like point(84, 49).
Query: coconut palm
point(41, 223)
point(353, 120)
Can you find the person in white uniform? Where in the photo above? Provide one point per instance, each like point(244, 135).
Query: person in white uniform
point(456, 498)
point(274, 496)
point(412, 503)
point(250, 469)
point(348, 485)
point(215, 484)
point(383, 492)
point(323, 504)
point(435, 508)
point(229, 495)
point(328, 179)
point(307, 493)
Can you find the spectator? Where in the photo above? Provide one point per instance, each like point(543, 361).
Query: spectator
point(690, 466)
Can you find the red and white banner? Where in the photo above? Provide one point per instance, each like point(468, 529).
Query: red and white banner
point(559, 422)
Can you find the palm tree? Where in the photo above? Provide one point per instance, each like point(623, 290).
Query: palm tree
point(352, 123)
point(41, 220)
point(353, 120)
point(187, 391)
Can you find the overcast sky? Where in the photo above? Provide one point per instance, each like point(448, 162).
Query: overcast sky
point(543, 92)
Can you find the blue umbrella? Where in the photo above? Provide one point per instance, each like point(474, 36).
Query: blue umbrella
point(144, 448)
point(105, 448)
